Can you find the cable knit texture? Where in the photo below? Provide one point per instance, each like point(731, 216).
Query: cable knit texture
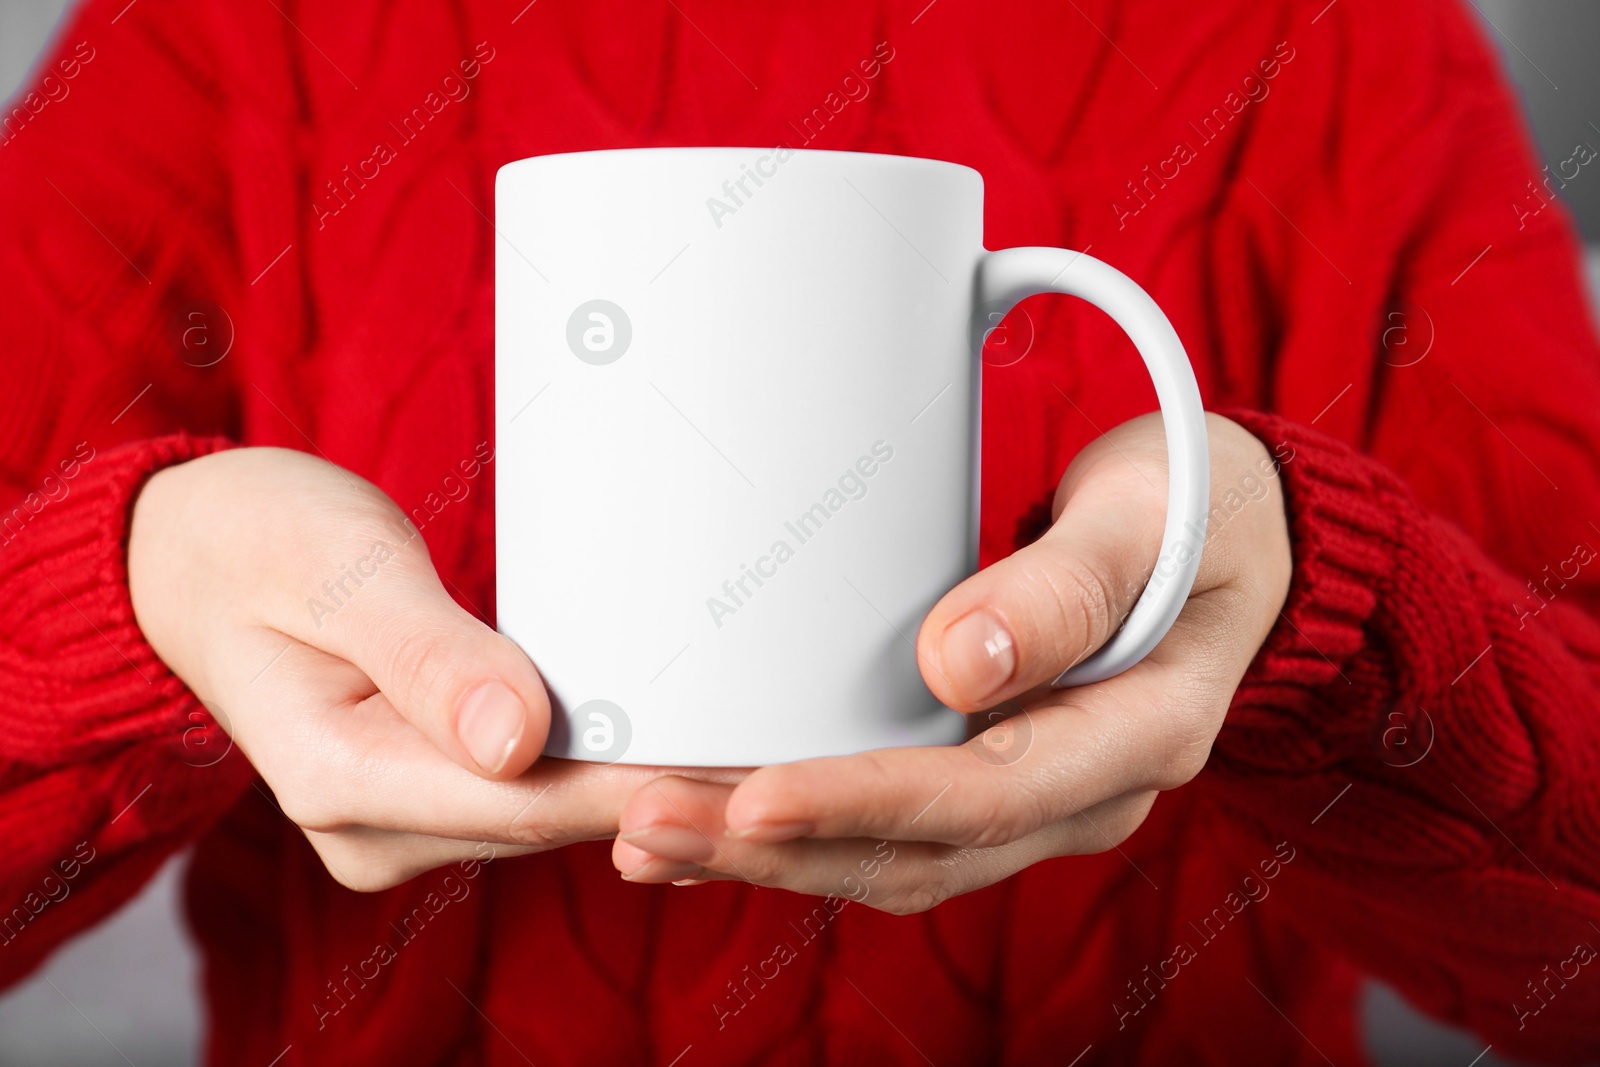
point(1331, 202)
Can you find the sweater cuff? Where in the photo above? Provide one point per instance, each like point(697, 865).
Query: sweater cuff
point(1345, 531)
point(81, 681)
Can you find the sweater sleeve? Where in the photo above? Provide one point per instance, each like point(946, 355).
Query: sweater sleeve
point(114, 265)
point(1423, 722)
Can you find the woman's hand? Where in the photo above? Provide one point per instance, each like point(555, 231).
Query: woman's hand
point(393, 727)
point(1077, 770)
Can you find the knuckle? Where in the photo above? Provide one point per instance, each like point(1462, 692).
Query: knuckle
point(998, 820)
point(869, 766)
point(763, 866)
point(312, 809)
point(318, 789)
point(1181, 758)
point(1114, 826)
point(417, 659)
point(1132, 816)
point(1082, 599)
point(355, 540)
point(914, 898)
point(356, 868)
point(1180, 768)
point(365, 513)
point(539, 837)
point(368, 878)
point(1191, 732)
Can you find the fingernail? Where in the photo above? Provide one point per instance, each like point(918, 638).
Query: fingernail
point(691, 881)
point(977, 655)
point(490, 723)
point(674, 842)
point(656, 870)
point(771, 833)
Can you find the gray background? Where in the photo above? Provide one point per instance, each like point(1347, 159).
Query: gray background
point(126, 992)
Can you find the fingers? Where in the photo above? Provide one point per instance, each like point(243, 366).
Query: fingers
point(469, 690)
point(369, 861)
point(291, 542)
point(672, 831)
point(1148, 729)
point(1066, 754)
point(379, 802)
point(1021, 622)
point(340, 757)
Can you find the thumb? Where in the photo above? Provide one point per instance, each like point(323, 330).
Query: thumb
point(470, 690)
point(1021, 622)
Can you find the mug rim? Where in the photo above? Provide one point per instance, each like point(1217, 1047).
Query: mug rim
point(741, 150)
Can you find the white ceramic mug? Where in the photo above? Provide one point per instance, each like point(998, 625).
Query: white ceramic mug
point(736, 398)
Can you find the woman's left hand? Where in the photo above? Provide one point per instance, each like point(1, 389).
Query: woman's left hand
point(1074, 770)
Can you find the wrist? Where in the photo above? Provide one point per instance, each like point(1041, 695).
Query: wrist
point(163, 561)
point(1249, 517)
point(1345, 516)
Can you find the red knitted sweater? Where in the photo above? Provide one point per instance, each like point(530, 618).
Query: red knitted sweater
point(202, 243)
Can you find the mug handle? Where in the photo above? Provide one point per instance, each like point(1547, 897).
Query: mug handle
point(1006, 277)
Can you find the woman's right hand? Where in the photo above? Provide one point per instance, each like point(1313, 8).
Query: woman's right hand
point(396, 730)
